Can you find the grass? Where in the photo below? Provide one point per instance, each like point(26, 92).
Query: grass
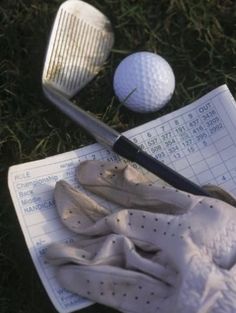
point(196, 37)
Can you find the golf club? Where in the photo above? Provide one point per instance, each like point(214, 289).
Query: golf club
point(80, 42)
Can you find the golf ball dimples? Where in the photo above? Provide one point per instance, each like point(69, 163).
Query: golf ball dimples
point(144, 82)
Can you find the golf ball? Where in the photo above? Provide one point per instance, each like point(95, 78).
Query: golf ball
point(144, 82)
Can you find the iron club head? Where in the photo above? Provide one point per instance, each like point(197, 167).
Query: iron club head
point(80, 42)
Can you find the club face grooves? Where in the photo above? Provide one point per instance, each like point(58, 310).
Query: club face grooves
point(77, 50)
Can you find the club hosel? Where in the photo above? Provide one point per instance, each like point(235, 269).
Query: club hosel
point(99, 130)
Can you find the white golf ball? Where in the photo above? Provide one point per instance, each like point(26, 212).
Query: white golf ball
point(144, 82)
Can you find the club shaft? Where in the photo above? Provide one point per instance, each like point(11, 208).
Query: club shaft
point(126, 148)
point(121, 145)
point(99, 130)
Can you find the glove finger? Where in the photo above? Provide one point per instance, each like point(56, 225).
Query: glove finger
point(122, 289)
point(115, 250)
point(220, 194)
point(89, 251)
point(165, 232)
point(76, 210)
point(122, 184)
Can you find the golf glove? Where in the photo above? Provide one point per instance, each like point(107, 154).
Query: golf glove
point(162, 250)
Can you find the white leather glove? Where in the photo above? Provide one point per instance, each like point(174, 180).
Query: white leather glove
point(164, 251)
